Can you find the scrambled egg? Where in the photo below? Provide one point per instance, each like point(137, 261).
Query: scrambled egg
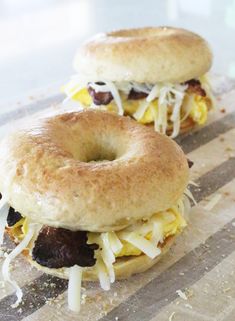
point(199, 110)
point(20, 229)
point(198, 113)
point(172, 223)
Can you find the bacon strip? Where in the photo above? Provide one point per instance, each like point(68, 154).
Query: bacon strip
point(59, 247)
point(194, 87)
point(134, 95)
point(100, 98)
point(13, 217)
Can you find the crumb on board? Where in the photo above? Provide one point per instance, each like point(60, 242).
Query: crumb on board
point(181, 294)
point(187, 305)
point(20, 310)
point(189, 293)
point(229, 149)
point(222, 110)
point(55, 301)
point(83, 299)
point(171, 316)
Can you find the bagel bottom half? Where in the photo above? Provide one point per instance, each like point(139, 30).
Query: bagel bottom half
point(124, 267)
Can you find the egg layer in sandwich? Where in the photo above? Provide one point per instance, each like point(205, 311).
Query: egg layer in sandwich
point(143, 237)
point(168, 106)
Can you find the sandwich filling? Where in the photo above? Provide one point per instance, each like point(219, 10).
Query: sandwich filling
point(59, 248)
point(166, 105)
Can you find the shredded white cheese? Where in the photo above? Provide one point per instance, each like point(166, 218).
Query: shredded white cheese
point(4, 209)
point(74, 288)
point(141, 110)
point(170, 99)
point(171, 316)
point(108, 256)
point(141, 243)
point(116, 97)
point(114, 242)
point(182, 295)
point(168, 95)
point(102, 275)
point(190, 196)
point(193, 183)
point(6, 264)
point(157, 233)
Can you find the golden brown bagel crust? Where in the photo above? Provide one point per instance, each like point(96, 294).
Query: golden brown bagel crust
point(51, 179)
point(145, 55)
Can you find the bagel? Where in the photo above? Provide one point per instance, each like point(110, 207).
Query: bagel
point(144, 55)
point(147, 73)
point(134, 159)
point(95, 190)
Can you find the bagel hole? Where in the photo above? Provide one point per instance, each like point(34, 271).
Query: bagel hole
point(101, 154)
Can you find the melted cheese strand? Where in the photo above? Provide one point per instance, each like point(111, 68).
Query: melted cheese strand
point(141, 243)
point(114, 242)
point(170, 98)
point(188, 104)
point(74, 288)
point(190, 195)
point(108, 256)
point(207, 87)
point(157, 233)
point(162, 105)
point(4, 209)
point(10, 257)
point(154, 93)
point(109, 86)
point(141, 110)
point(141, 87)
point(102, 275)
point(116, 97)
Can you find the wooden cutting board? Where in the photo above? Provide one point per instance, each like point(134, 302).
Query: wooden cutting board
point(194, 281)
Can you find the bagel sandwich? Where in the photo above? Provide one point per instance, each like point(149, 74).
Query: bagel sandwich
point(91, 195)
point(155, 75)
